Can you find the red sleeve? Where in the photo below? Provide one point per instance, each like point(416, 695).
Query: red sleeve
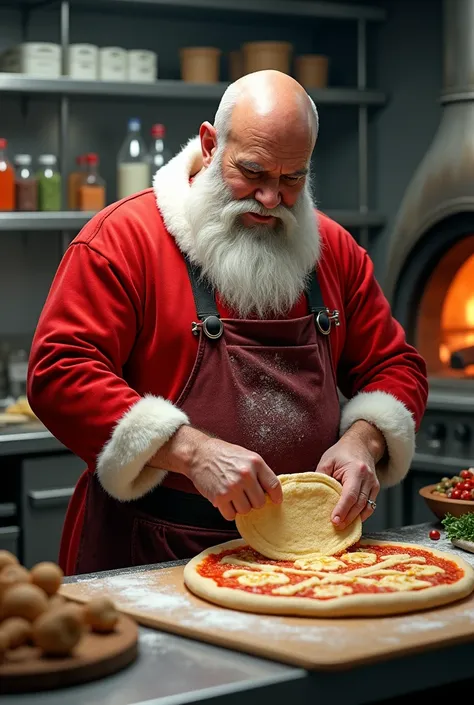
point(75, 385)
point(84, 336)
point(379, 372)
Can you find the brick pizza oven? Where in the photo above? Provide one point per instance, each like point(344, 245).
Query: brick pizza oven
point(430, 271)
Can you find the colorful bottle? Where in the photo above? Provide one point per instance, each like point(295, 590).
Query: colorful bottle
point(74, 181)
point(7, 179)
point(159, 153)
point(26, 184)
point(133, 168)
point(92, 187)
point(49, 183)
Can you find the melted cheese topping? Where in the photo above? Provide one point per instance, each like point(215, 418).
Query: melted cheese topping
point(299, 587)
point(251, 578)
point(403, 582)
point(319, 563)
point(332, 590)
point(360, 558)
point(424, 570)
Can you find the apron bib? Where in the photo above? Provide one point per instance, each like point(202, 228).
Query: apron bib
point(268, 386)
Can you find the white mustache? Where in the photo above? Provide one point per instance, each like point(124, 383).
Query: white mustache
point(235, 208)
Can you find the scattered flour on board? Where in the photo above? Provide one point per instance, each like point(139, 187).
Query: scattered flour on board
point(141, 592)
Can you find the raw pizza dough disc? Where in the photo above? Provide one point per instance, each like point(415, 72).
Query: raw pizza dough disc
point(301, 525)
point(381, 578)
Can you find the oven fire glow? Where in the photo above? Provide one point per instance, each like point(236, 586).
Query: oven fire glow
point(456, 348)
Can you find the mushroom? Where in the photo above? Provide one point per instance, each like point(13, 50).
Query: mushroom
point(47, 576)
point(17, 631)
point(7, 558)
point(13, 574)
point(57, 632)
point(101, 614)
point(24, 600)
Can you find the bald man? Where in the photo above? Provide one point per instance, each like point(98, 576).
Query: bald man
point(195, 336)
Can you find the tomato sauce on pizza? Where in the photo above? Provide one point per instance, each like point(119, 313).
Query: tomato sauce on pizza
point(362, 569)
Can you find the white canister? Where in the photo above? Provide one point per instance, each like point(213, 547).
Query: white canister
point(83, 62)
point(142, 66)
point(112, 64)
point(42, 59)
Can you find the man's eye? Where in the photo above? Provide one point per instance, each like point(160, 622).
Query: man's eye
point(292, 179)
point(250, 174)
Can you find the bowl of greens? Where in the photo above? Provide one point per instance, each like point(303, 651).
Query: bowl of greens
point(460, 530)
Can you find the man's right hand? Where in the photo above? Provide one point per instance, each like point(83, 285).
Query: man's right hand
point(232, 478)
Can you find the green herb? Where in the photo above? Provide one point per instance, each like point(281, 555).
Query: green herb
point(459, 527)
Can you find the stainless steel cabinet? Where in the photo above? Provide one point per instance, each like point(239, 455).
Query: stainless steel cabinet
point(47, 485)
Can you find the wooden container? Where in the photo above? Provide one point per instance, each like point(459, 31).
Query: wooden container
point(259, 56)
point(236, 65)
point(440, 506)
point(200, 64)
point(311, 70)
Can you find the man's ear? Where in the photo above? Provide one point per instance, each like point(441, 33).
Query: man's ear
point(208, 137)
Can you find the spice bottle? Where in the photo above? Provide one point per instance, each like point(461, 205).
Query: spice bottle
point(7, 179)
point(92, 188)
point(49, 184)
point(26, 184)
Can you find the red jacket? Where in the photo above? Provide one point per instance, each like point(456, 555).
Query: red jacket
point(116, 327)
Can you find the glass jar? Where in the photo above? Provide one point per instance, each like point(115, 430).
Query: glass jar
point(26, 184)
point(49, 183)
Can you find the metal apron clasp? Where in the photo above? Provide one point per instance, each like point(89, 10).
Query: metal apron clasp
point(211, 326)
point(325, 318)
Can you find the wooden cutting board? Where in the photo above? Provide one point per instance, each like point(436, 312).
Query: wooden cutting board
point(96, 655)
point(159, 599)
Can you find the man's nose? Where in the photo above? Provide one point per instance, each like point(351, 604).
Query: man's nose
point(268, 196)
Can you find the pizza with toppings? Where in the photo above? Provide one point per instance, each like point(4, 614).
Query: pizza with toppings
point(370, 578)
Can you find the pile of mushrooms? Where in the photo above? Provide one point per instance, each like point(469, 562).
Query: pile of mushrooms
point(33, 613)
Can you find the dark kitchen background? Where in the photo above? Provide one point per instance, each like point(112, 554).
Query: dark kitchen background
point(391, 81)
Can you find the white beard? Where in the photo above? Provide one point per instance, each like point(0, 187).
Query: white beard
point(260, 270)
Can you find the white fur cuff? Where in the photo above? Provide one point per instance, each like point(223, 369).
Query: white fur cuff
point(137, 436)
point(395, 421)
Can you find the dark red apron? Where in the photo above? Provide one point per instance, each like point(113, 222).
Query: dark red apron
point(268, 386)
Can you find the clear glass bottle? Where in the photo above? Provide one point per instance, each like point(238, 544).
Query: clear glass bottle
point(133, 167)
point(26, 184)
point(49, 183)
point(92, 187)
point(159, 153)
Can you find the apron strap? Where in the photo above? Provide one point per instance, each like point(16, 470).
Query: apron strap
point(210, 322)
point(323, 318)
point(205, 302)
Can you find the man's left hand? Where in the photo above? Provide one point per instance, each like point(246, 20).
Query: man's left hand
point(352, 462)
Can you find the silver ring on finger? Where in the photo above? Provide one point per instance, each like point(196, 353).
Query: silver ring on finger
point(372, 504)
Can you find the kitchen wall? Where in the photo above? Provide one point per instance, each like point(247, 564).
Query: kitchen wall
point(407, 64)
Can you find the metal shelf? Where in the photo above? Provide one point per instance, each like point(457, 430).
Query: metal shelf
point(172, 90)
point(75, 220)
point(32, 222)
point(297, 9)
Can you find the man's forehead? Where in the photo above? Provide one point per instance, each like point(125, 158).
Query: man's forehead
point(258, 153)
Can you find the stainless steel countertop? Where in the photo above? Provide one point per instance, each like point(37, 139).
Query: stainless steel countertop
point(23, 439)
point(172, 670)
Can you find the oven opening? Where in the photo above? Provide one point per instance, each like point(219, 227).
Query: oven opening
point(444, 331)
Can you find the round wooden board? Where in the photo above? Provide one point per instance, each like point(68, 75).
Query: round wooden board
point(96, 655)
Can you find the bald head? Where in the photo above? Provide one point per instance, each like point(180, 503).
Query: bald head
point(273, 99)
